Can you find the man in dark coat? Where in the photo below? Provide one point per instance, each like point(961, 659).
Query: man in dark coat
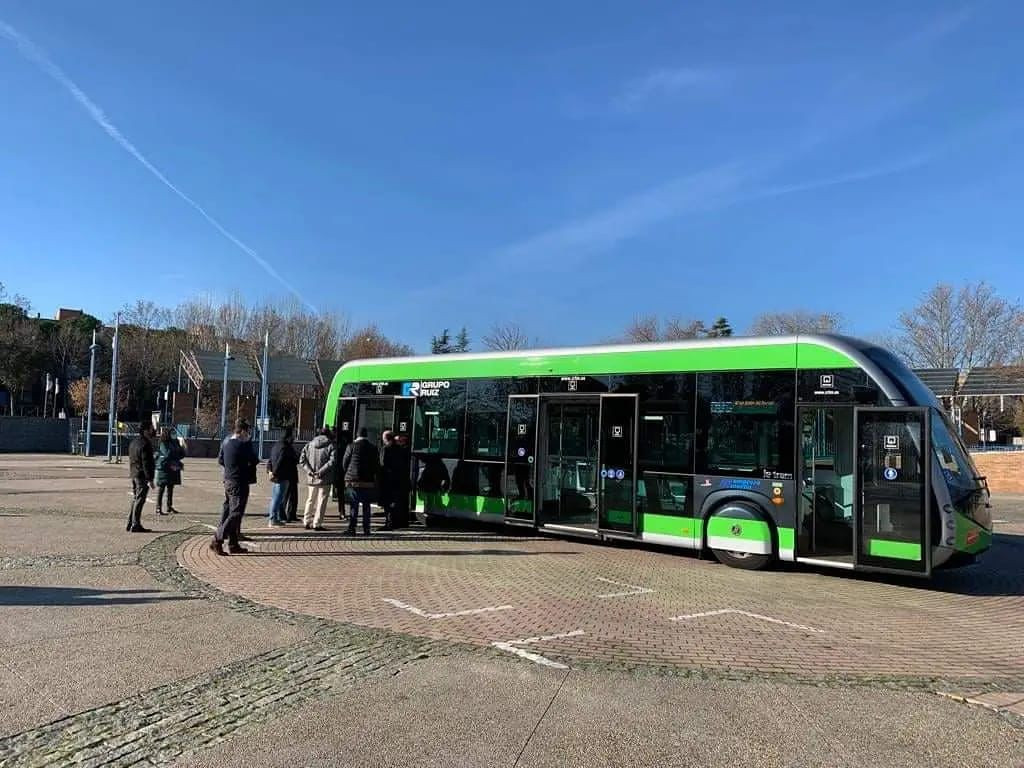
point(141, 467)
point(361, 464)
point(239, 461)
point(394, 481)
point(283, 469)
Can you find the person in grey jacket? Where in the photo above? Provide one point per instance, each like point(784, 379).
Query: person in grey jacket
point(318, 459)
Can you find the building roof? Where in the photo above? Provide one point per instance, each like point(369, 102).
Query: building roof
point(288, 369)
point(209, 366)
point(941, 381)
point(980, 382)
point(326, 370)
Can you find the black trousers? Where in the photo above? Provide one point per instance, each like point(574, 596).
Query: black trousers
point(236, 496)
point(140, 490)
point(291, 501)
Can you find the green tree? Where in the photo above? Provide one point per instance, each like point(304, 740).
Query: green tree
point(21, 352)
point(441, 345)
point(461, 341)
point(720, 328)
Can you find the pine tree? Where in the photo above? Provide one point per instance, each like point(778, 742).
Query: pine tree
point(441, 345)
point(720, 328)
point(461, 341)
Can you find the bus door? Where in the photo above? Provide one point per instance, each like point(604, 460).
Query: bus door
point(405, 412)
point(617, 462)
point(893, 525)
point(376, 415)
point(520, 460)
point(345, 431)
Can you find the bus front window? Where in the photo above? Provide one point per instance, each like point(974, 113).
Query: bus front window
point(957, 468)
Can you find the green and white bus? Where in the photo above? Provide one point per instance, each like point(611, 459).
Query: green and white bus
point(816, 449)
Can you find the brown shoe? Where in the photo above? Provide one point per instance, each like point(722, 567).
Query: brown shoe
point(215, 546)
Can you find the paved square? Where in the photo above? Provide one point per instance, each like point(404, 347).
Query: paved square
point(473, 647)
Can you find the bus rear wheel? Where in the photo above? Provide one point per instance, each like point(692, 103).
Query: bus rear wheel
point(745, 560)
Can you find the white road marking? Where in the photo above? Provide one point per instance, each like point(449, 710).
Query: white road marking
point(633, 589)
point(511, 647)
point(721, 611)
point(1003, 522)
point(435, 616)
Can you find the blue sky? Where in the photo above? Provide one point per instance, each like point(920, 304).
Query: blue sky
point(566, 166)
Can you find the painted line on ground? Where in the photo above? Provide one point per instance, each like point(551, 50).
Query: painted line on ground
point(511, 646)
point(633, 589)
point(451, 614)
point(748, 614)
point(1001, 522)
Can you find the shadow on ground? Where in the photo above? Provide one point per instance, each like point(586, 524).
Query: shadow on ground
point(77, 596)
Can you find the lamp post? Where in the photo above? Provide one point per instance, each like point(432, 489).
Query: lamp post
point(264, 392)
point(92, 381)
point(224, 390)
point(112, 412)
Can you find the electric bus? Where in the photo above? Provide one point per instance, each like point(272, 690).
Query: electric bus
point(816, 449)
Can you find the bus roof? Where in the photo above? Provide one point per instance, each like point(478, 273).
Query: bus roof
point(806, 351)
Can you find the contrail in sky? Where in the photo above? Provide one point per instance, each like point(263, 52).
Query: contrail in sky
point(37, 56)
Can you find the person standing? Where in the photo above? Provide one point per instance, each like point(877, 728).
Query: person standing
point(169, 457)
point(386, 480)
point(402, 465)
point(361, 465)
point(239, 462)
point(283, 469)
point(142, 468)
point(318, 459)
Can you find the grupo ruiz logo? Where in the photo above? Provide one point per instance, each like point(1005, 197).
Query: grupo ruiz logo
point(424, 388)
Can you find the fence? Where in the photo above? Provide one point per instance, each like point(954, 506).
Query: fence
point(34, 434)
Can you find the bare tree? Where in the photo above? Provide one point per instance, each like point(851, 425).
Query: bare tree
point(506, 336)
point(680, 330)
point(644, 330)
point(795, 321)
point(16, 299)
point(198, 318)
point(368, 341)
point(649, 328)
point(962, 328)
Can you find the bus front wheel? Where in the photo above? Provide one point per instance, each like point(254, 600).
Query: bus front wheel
point(746, 560)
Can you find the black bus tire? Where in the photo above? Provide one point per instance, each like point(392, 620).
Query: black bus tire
point(745, 560)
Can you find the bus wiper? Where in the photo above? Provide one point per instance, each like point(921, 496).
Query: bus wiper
point(984, 484)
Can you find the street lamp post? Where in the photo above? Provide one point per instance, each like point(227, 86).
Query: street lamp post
point(92, 380)
point(264, 391)
point(112, 412)
point(224, 390)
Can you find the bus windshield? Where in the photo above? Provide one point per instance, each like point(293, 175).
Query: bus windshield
point(957, 468)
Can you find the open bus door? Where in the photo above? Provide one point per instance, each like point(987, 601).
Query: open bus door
point(893, 521)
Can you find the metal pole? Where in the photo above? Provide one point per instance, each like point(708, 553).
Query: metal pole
point(264, 390)
point(92, 380)
point(224, 391)
point(112, 413)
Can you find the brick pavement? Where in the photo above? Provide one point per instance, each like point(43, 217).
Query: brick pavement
point(630, 605)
